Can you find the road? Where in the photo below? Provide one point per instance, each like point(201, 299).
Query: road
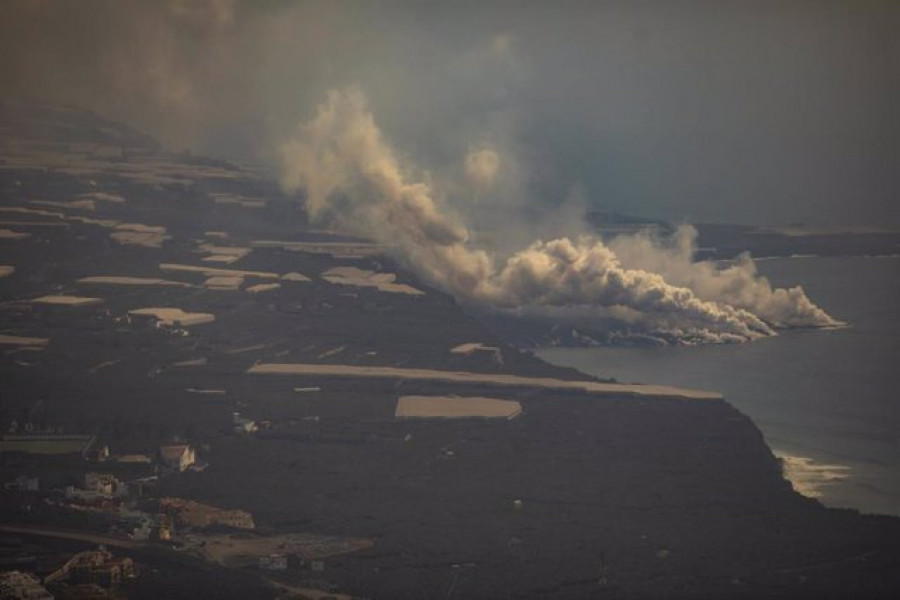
point(76, 536)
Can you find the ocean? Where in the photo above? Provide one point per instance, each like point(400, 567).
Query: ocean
point(826, 400)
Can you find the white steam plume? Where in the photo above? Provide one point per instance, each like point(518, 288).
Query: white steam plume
point(353, 180)
point(737, 284)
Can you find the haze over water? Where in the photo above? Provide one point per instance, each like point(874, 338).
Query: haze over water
point(829, 396)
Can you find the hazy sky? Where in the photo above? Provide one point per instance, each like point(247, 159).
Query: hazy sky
point(757, 112)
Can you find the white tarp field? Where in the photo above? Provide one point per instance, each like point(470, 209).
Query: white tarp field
point(500, 379)
point(455, 407)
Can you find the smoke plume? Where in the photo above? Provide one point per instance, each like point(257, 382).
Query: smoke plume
point(633, 286)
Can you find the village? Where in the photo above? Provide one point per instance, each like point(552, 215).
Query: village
point(118, 492)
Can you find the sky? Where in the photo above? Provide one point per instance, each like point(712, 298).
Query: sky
point(742, 112)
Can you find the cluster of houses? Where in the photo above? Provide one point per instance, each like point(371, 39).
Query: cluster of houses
point(179, 513)
point(114, 485)
point(169, 458)
point(281, 562)
point(98, 488)
point(90, 574)
point(106, 488)
point(110, 491)
point(143, 526)
point(16, 584)
point(93, 567)
point(241, 425)
point(23, 483)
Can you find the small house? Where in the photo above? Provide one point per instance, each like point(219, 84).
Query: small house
point(273, 562)
point(177, 457)
point(22, 484)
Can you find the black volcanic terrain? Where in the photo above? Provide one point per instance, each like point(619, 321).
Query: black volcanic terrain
point(584, 494)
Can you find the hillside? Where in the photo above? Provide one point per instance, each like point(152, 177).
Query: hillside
point(582, 494)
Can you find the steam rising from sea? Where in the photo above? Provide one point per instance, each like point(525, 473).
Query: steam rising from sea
point(635, 286)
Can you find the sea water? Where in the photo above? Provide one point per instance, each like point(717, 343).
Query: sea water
point(826, 400)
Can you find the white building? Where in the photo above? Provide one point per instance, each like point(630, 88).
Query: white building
point(243, 425)
point(177, 457)
point(22, 484)
point(106, 484)
point(273, 562)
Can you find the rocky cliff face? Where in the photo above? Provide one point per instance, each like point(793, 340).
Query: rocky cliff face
point(669, 496)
